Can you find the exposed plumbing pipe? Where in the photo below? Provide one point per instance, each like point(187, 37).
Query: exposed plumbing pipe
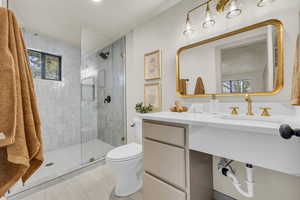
point(226, 170)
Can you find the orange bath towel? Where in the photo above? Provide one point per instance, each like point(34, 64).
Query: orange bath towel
point(296, 76)
point(20, 127)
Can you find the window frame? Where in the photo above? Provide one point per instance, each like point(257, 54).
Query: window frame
point(43, 64)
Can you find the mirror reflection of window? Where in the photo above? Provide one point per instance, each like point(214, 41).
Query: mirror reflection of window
point(236, 86)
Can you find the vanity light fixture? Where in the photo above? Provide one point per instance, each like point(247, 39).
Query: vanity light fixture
point(232, 7)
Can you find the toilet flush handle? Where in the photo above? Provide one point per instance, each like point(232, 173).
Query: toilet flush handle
point(132, 125)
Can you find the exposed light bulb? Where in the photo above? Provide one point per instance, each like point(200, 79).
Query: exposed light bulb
point(188, 27)
point(96, 0)
point(234, 10)
point(262, 3)
point(209, 21)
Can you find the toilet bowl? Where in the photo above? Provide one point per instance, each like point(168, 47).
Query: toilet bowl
point(126, 163)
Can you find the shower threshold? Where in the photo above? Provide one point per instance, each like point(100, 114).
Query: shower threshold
point(65, 160)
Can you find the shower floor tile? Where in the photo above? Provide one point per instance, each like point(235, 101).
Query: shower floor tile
point(96, 184)
point(62, 161)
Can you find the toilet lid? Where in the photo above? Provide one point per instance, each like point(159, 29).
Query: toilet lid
point(125, 152)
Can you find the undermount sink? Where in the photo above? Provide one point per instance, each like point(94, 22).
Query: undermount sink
point(277, 120)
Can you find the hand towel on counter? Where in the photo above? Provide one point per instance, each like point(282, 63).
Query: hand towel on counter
point(296, 76)
point(199, 88)
point(20, 126)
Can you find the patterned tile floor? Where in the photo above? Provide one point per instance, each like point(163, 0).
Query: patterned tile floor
point(96, 184)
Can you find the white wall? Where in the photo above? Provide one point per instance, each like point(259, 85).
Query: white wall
point(164, 32)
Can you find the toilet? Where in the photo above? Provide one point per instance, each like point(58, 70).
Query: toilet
point(126, 163)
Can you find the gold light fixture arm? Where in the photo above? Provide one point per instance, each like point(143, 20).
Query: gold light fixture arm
point(221, 5)
point(199, 6)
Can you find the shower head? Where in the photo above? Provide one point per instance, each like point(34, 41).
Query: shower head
point(104, 55)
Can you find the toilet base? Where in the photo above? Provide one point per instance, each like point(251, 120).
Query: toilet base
point(128, 175)
point(121, 194)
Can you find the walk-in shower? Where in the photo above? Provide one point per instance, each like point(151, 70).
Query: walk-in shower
point(80, 88)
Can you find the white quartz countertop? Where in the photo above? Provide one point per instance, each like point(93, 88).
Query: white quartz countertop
point(268, 126)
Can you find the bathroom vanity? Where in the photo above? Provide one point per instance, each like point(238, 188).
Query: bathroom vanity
point(178, 149)
point(167, 162)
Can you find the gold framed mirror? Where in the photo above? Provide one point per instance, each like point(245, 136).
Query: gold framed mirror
point(245, 61)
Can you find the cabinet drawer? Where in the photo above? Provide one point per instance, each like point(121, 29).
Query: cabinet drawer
point(168, 134)
point(166, 162)
point(154, 189)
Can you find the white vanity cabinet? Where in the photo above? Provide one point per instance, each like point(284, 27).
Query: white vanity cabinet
point(168, 164)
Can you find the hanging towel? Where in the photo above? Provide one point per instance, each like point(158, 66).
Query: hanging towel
point(199, 89)
point(20, 126)
point(296, 76)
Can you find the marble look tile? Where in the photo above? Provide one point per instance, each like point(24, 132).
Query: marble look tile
point(58, 101)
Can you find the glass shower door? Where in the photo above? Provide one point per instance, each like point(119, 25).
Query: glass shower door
point(102, 99)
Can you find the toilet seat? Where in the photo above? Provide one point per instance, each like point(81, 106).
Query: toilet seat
point(125, 153)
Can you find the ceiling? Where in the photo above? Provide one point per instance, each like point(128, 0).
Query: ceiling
point(64, 19)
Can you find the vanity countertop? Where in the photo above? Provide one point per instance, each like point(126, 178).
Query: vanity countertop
point(268, 126)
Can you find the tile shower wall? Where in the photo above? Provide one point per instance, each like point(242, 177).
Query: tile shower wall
point(105, 121)
point(59, 101)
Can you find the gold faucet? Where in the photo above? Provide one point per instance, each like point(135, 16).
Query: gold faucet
point(249, 101)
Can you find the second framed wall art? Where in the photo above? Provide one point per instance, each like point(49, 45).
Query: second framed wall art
point(152, 95)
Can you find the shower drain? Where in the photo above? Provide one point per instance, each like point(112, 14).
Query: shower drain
point(49, 164)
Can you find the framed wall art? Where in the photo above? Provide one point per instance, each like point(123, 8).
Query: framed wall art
point(152, 64)
point(152, 95)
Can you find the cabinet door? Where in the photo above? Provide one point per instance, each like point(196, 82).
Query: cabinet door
point(155, 189)
point(166, 162)
point(167, 134)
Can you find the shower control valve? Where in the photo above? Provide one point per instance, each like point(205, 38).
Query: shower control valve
point(107, 99)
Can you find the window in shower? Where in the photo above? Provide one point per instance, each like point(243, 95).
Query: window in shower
point(44, 65)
